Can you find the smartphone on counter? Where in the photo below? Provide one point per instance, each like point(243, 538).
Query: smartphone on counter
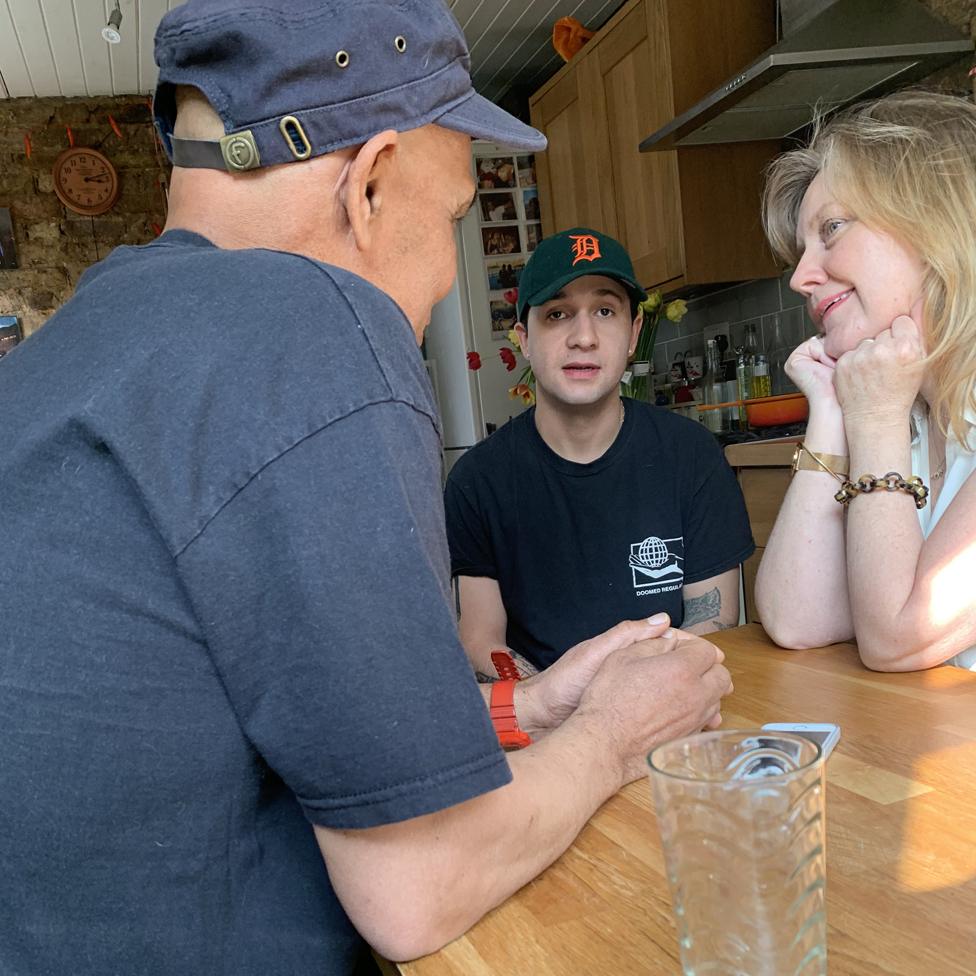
point(826, 735)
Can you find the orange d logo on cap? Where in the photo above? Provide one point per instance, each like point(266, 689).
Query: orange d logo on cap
point(585, 248)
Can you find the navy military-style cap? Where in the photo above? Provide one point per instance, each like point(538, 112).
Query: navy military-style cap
point(293, 79)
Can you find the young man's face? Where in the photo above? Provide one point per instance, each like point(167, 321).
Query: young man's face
point(579, 341)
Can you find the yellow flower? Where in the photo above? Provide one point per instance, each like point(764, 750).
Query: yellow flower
point(675, 311)
point(514, 340)
point(524, 392)
point(652, 303)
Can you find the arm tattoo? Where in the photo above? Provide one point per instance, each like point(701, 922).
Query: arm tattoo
point(525, 668)
point(704, 608)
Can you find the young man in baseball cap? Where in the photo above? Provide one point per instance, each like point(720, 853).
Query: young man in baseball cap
point(240, 733)
point(589, 508)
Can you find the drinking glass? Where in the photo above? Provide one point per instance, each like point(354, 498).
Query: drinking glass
point(742, 823)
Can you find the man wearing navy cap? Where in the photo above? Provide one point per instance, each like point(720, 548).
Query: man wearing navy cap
point(239, 731)
point(589, 508)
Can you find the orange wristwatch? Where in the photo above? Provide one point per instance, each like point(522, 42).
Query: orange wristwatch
point(502, 705)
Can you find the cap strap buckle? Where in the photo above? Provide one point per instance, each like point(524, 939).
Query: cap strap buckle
point(240, 151)
point(295, 137)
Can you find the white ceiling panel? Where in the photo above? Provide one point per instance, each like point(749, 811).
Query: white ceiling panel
point(511, 42)
point(32, 36)
point(90, 17)
point(64, 44)
point(545, 62)
point(13, 67)
point(505, 32)
point(55, 47)
point(124, 57)
point(501, 12)
point(522, 48)
point(464, 10)
point(150, 14)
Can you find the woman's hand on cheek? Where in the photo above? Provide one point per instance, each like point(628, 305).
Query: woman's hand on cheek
point(877, 382)
point(812, 370)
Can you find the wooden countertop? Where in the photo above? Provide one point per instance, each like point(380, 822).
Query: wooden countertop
point(901, 835)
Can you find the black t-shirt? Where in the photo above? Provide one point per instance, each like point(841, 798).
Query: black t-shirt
point(225, 611)
point(576, 548)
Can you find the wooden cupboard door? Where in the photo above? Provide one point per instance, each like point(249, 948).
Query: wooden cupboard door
point(569, 172)
point(721, 195)
point(735, 32)
point(763, 490)
point(635, 85)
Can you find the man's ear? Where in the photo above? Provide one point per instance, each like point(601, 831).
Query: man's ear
point(635, 331)
point(367, 181)
point(523, 337)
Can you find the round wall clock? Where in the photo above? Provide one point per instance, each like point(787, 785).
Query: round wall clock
point(85, 181)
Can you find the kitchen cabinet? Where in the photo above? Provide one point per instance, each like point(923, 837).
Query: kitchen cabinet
point(687, 217)
point(763, 469)
point(573, 190)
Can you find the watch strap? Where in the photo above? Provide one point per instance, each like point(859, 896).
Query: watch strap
point(501, 706)
point(503, 718)
point(505, 666)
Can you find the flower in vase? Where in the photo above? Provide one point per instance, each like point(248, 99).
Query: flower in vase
point(675, 311)
point(653, 309)
point(523, 392)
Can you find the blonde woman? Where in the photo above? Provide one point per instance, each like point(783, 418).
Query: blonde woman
point(878, 214)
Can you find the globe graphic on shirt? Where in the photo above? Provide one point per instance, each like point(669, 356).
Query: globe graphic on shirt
point(652, 552)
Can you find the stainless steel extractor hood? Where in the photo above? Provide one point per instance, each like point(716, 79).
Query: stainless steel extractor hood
point(852, 49)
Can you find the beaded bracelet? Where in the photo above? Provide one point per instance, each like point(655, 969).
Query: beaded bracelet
point(892, 481)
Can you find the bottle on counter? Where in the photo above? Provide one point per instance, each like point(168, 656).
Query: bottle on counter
point(726, 372)
point(712, 389)
point(761, 386)
point(744, 367)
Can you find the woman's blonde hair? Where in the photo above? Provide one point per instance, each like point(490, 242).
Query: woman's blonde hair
point(905, 164)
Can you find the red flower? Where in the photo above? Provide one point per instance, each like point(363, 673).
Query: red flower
point(507, 357)
point(474, 361)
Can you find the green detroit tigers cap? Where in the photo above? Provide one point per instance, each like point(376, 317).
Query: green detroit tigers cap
point(568, 255)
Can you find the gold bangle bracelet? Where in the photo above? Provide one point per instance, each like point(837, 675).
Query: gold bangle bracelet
point(836, 465)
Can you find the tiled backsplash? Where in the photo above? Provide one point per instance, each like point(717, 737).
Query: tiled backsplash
point(763, 302)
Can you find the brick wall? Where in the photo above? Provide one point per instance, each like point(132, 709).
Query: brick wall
point(54, 245)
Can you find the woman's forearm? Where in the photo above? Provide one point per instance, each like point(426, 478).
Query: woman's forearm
point(884, 542)
point(801, 588)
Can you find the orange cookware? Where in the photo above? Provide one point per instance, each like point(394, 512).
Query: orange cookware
point(790, 408)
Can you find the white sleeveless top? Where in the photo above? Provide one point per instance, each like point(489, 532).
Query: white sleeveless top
point(960, 464)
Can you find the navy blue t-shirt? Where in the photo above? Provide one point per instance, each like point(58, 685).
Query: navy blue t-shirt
point(576, 548)
point(226, 611)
